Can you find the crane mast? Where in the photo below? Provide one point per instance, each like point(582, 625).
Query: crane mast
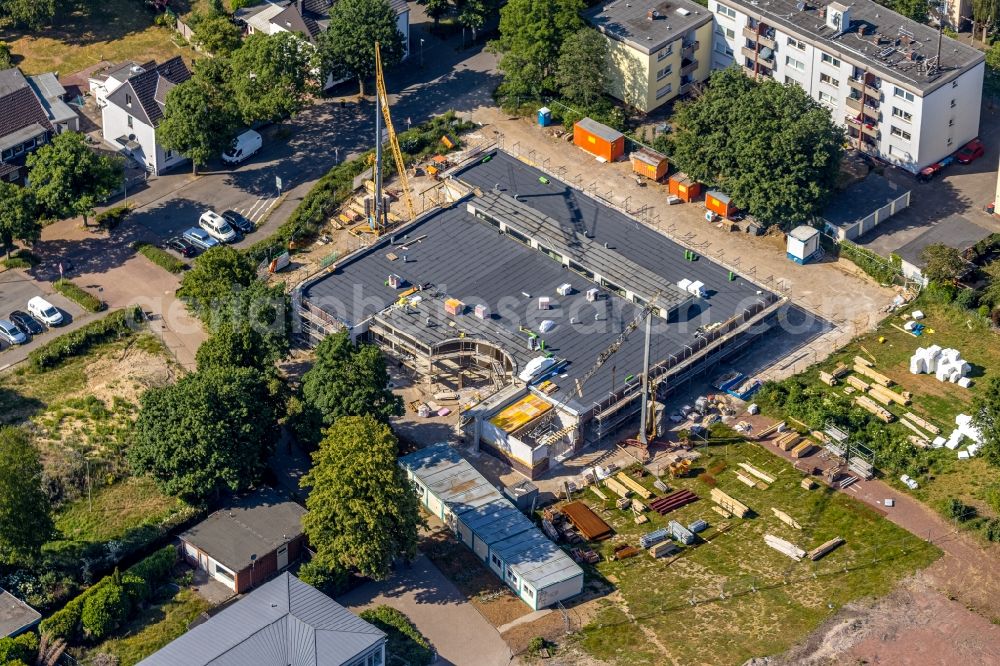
point(382, 100)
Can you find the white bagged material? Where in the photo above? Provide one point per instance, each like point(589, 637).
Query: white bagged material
point(964, 382)
point(963, 455)
point(938, 442)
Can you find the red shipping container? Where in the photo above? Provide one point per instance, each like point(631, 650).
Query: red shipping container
point(598, 139)
point(683, 187)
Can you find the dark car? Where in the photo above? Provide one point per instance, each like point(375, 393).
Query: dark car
point(238, 222)
point(970, 152)
point(28, 324)
point(182, 247)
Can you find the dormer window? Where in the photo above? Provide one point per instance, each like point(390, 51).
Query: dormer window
point(128, 99)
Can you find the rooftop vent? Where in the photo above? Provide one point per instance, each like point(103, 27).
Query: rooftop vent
point(683, 12)
point(838, 17)
point(652, 14)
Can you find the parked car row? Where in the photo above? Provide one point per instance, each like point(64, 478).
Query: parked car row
point(213, 229)
point(967, 154)
point(20, 326)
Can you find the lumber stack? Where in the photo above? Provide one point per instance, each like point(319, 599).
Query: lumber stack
point(785, 547)
point(597, 491)
point(756, 472)
point(870, 405)
point(803, 449)
point(638, 506)
point(841, 371)
point(861, 360)
point(820, 551)
point(616, 488)
point(873, 375)
point(730, 504)
point(746, 479)
point(663, 549)
point(788, 441)
point(785, 518)
point(879, 392)
point(858, 383)
point(667, 503)
point(827, 378)
point(633, 485)
point(926, 425)
point(722, 512)
point(623, 503)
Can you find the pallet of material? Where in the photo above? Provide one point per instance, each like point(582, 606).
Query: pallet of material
point(623, 503)
point(858, 383)
point(650, 539)
point(730, 504)
point(746, 479)
point(785, 547)
point(820, 551)
point(663, 549)
point(788, 441)
point(756, 472)
point(827, 378)
point(634, 485)
point(616, 488)
point(597, 491)
point(785, 518)
point(861, 360)
point(807, 484)
point(591, 526)
point(640, 519)
point(926, 425)
point(876, 377)
point(871, 406)
point(667, 503)
point(803, 449)
point(638, 506)
point(625, 552)
point(891, 395)
point(722, 512)
point(917, 441)
point(841, 371)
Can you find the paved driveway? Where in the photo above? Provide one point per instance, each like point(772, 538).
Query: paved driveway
point(456, 630)
point(15, 290)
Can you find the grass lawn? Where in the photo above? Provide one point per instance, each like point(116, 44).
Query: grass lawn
point(113, 30)
point(733, 598)
point(160, 623)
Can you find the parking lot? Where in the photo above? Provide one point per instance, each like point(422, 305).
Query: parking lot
point(15, 290)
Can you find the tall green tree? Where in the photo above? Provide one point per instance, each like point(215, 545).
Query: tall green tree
point(25, 514)
point(31, 14)
point(211, 431)
point(346, 380)
point(271, 76)
point(70, 179)
point(472, 14)
point(582, 75)
point(991, 294)
point(435, 9)
point(215, 275)
point(198, 122)
point(531, 35)
point(347, 47)
point(914, 9)
point(771, 147)
point(217, 34)
point(363, 512)
point(986, 417)
point(942, 263)
point(240, 345)
point(18, 219)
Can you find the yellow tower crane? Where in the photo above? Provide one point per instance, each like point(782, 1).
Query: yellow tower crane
point(382, 99)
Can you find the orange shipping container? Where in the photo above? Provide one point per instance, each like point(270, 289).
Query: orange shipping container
point(649, 163)
point(719, 203)
point(598, 139)
point(683, 187)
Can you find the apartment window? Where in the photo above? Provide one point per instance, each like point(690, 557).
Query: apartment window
point(827, 98)
point(800, 45)
point(665, 53)
point(18, 149)
point(902, 115)
point(903, 94)
point(795, 64)
point(789, 80)
point(902, 134)
point(666, 71)
point(169, 154)
point(528, 592)
point(830, 60)
point(829, 80)
point(664, 91)
point(722, 46)
point(7, 154)
point(725, 11)
point(730, 33)
point(130, 122)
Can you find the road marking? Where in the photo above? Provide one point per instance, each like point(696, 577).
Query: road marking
point(263, 210)
point(250, 211)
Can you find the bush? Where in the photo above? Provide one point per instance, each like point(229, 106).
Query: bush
point(323, 579)
point(112, 217)
point(991, 530)
point(967, 299)
point(21, 259)
point(84, 298)
point(161, 258)
point(115, 326)
point(405, 642)
point(137, 589)
point(992, 496)
point(869, 262)
point(958, 510)
point(104, 610)
point(65, 622)
point(23, 648)
point(157, 566)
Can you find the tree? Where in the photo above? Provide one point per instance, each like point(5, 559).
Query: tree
point(435, 9)
point(362, 511)
point(942, 263)
point(211, 431)
point(215, 275)
point(347, 48)
point(6, 57)
point(472, 15)
point(17, 216)
point(914, 9)
point(240, 345)
point(25, 514)
point(70, 179)
point(346, 380)
point(217, 34)
point(198, 122)
point(531, 34)
point(991, 294)
point(30, 14)
point(270, 76)
point(993, 57)
point(771, 147)
point(986, 417)
point(103, 610)
point(582, 74)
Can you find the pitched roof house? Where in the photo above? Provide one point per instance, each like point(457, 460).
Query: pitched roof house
point(134, 99)
point(31, 111)
point(283, 623)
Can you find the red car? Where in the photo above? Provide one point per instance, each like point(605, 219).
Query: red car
point(970, 152)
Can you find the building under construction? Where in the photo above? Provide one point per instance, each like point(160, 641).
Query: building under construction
point(535, 286)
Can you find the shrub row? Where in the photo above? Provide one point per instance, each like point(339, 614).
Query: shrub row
point(161, 258)
point(81, 296)
point(112, 217)
point(104, 605)
point(115, 326)
point(871, 263)
point(22, 649)
point(405, 642)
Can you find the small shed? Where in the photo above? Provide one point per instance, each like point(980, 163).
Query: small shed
point(802, 244)
point(719, 203)
point(600, 140)
point(684, 188)
point(863, 206)
point(649, 163)
point(523, 494)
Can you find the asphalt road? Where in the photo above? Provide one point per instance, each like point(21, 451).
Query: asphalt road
point(15, 290)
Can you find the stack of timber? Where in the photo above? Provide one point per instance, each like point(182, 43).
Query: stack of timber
point(926, 425)
point(807, 483)
point(623, 503)
point(785, 547)
point(841, 371)
point(591, 526)
point(888, 396)
point(633, 485)
point(860, 360)
point(803, 449)
point(616, 488)
point(788, 441)
point(785, 518)
point(663, 549)
point(820, 551)
point(625, 551)
point(871, 374)
point(638, 506)
point(746, 479)
point(597, 491)
point(722, 512)
point(667, 503)
point(858, 383)
point(730, 504)
point(871, 406)
point(756, 472)
point(827, 378)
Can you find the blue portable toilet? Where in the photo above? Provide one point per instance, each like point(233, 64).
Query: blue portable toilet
point(544, 116)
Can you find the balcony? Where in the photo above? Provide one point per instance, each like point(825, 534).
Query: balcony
point(765, 38)
point(766, 60)
point(687, 51)
point(856, 84)
point(688, 66)
point(761, 70)
point(685, 88)
point(869, 130)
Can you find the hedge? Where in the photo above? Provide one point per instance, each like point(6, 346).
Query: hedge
point(871, 263)
point(66, 623)
point(405, 641)
point(161, 258)
point(84, 298)
point(20, 259)
point(115, 326)
point(112, 217)
point(23, 648)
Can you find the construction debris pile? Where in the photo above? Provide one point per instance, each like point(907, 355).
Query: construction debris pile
point(946, 364)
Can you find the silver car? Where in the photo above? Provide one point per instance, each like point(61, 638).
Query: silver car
point(11, 333)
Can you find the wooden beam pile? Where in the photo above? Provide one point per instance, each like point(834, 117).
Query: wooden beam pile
point(871, 406)
point(788, 441)
point(827, 378)
point(616, 488)
point(820, 551)
point(634, 485)
point(667, 503)
point(756, 472)
point(785, 518)
point(597, 491)
point(871, 374)
point(785, 547)
point(858, 383)
point(890, 396)
point(746, 479)
point(730, 504)
point(926, 425)
point(841, 371)
point(803, 449)
point(861, 360)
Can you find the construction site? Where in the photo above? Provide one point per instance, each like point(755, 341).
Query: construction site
point(532, 292)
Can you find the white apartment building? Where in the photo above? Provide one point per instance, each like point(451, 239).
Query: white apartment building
point(903, 93)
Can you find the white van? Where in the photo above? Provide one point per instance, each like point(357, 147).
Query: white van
point(216, 226)
point(42, 309)
point(244, 146)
